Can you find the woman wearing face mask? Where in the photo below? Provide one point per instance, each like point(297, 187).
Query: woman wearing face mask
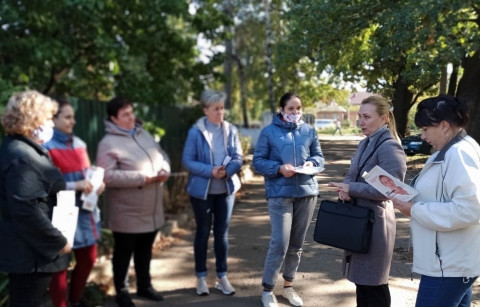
point(69, 154)
point(285, 144)
point(32, 247)
point(381, 147)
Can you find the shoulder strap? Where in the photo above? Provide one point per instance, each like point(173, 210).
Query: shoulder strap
point(369, 157)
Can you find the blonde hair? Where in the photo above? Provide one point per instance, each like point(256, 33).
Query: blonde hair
point(27, 110)
point(383, 107)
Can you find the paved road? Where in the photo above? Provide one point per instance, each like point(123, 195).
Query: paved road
point(318, 281)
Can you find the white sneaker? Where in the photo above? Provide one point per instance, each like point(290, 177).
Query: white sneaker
point(292, 296)
point(202, 288)
point(269, 299)
point(224, 285)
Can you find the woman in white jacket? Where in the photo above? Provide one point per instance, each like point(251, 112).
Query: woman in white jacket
point(445, 215)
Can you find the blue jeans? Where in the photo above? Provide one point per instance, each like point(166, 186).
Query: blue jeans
point(445, 291)
point(219, 207)
point(289, 219)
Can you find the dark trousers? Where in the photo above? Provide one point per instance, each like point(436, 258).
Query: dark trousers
point(373, 296)
point(29, 290)
point(126, 244)
point(219, 209)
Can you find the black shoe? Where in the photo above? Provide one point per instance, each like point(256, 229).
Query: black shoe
point(150, 293)
point(123, 299)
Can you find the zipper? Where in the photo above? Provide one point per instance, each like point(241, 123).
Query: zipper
point(156, 185)
point(295, 160)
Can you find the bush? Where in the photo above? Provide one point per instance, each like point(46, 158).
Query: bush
point(246, 143)
point(93, 295)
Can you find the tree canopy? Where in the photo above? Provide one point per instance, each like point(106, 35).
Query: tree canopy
point(145, 50)
point(400, 48)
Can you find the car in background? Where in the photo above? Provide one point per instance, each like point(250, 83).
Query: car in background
point(413, 144)
point(324, 123)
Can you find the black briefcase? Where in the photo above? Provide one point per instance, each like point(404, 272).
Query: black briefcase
point(344, 225)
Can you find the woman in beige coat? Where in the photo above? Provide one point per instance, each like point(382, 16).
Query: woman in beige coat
point(135, 168)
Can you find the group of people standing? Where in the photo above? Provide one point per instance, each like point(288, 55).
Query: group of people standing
point(41, 156)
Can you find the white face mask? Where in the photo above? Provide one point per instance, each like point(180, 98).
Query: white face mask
point(43, 133)
point(292, 118)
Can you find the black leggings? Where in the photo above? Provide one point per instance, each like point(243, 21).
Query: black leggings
point(126, 244)
point(373, 296)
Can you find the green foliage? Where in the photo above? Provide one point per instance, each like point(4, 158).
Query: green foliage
point(144, 50)
point(398, 48)
point(93, 295)
point(106, 242)
point(154, 130)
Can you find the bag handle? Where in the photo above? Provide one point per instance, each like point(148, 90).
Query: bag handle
point(351, 202)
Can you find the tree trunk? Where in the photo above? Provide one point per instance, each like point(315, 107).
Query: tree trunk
point(468, 89)
point(402, 102)
point(452, 85)
point(271, 97)
point(243, 93)
point(443, 80)
point(227, 65)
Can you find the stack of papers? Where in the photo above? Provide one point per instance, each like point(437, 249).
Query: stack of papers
point(309, 170)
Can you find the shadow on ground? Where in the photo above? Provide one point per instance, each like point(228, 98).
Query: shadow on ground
point(319, 279)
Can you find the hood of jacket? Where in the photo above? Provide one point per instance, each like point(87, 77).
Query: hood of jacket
point(111, 128)
point(200, 124)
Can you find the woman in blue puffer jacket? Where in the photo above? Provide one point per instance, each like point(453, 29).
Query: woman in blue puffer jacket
point(285, 144)
point(213, 156)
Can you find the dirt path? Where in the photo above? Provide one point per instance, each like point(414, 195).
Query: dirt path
point(319, 279)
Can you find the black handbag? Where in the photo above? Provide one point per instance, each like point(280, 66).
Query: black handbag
point(344, 225)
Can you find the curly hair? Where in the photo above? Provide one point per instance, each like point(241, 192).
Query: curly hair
point(27, 110)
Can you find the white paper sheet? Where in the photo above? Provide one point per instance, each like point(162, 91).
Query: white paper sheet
point(309, 170)
point(95, 176)
point(65, 215)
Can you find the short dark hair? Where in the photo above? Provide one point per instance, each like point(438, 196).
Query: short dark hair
point(61, 103)
point(117, 103)
point(286, 97)
point(432, 111)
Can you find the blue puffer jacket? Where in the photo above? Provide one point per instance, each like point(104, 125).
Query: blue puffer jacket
point(197, 159)
point(286, 143)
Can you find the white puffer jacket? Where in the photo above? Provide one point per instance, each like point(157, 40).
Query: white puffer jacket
point(446, 212)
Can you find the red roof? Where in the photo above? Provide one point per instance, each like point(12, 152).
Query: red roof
point(357, 97)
